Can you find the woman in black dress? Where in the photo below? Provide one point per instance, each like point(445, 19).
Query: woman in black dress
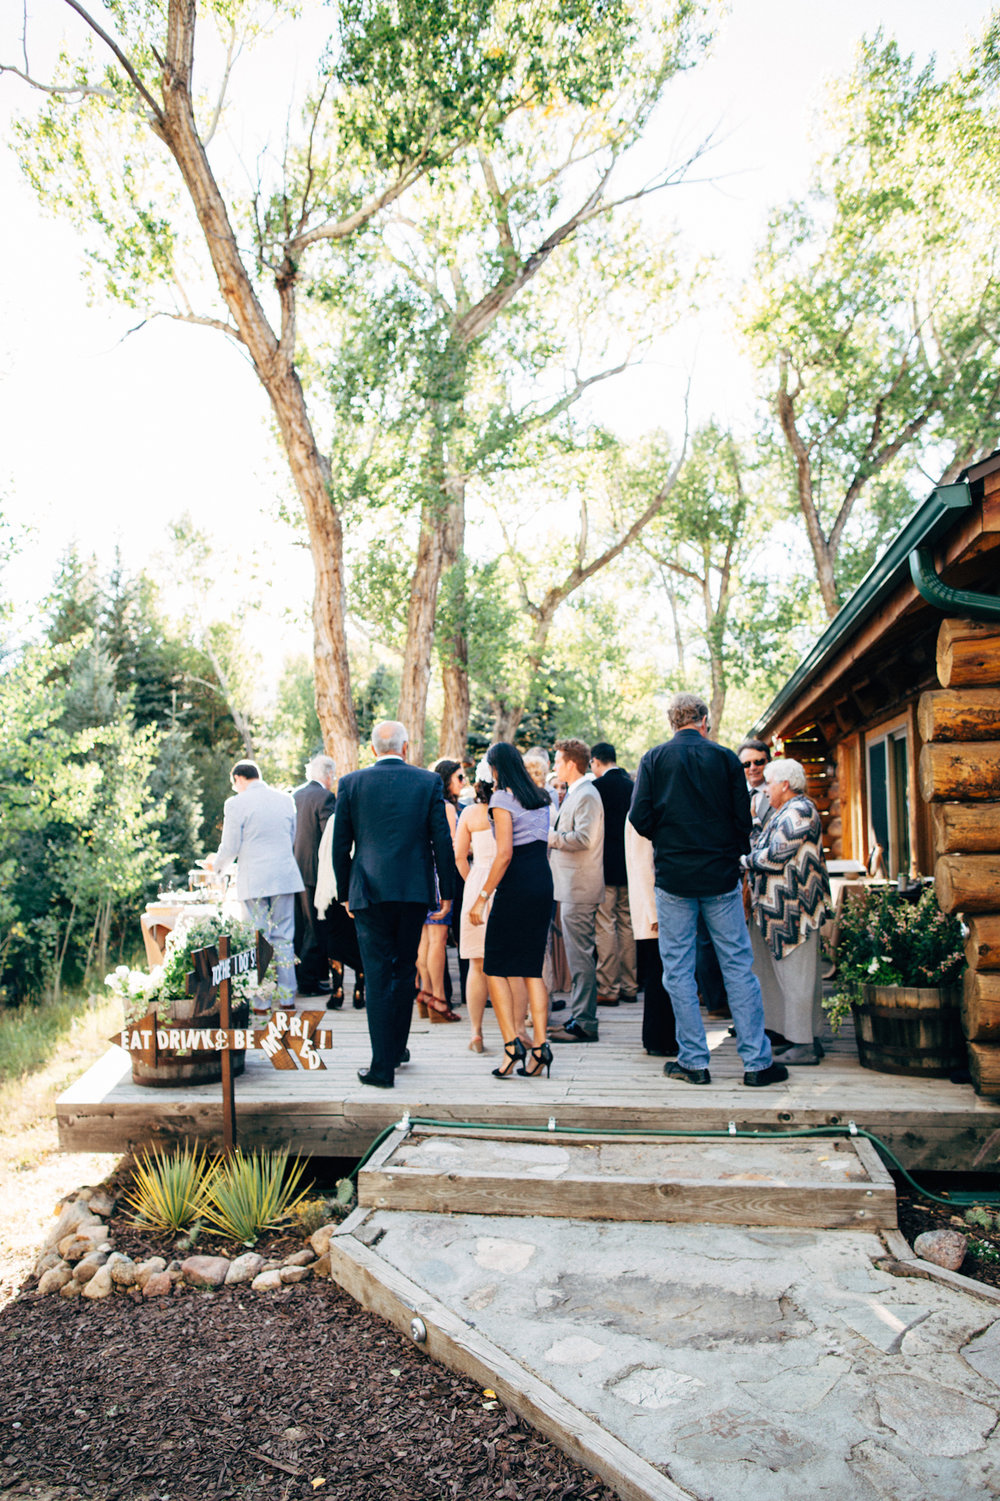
point(522, 905)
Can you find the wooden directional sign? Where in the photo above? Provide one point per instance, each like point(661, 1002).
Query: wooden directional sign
point(291, 1040)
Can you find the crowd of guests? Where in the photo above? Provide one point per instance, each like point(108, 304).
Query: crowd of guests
point(700, 884)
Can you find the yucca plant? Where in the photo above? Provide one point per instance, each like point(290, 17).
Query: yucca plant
point(170, 1188)
point(248, 1194)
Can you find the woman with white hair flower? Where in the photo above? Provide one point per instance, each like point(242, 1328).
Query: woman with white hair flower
point(790, 890)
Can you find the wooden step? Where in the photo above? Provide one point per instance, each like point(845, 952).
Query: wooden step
point(814, 1182)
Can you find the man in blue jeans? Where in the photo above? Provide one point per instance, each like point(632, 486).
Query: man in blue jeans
point(691, 802)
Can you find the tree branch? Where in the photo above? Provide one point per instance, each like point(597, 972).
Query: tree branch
point(129, 69)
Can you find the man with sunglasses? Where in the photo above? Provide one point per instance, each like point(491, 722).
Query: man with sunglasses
point(754, 757)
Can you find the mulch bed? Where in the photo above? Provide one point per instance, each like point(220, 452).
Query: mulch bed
point(236, 1394)
point(244, 1395)
point(917, 1215)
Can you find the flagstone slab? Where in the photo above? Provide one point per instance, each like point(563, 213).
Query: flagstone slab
point(765, 1364)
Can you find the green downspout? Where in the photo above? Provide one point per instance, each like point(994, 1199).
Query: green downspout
point(962, 602)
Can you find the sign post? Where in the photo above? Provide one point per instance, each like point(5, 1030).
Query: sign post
point(291, 1041)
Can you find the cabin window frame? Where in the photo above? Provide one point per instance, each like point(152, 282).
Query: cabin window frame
point(899, 847)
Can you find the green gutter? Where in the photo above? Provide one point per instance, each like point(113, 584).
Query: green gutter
point(932, 519)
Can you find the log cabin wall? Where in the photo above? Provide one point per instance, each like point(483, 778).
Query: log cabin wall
point(960, 784)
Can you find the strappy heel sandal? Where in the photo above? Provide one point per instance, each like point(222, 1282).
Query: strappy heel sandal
point(421, 1007)
point(436, 1009)
point(543, 1059)
point(514, 1052)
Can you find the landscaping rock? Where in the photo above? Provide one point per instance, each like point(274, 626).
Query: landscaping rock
point(70, 1289)
point(122, 1269)
point(267, 1281)
point(54, 1280)
point(272, 1266)
point(322, 1267)
point(84, 1270)
point(157, 1285)
point(244, 1268)
point(945, 1248)
point(305, 1257)
point(101, 1204)
point(47, 1262)
point(205, 1271)
point(147, 1269)
point(76, 1212)
point(295, 1273)
point(320, 1239)
point(99, 1285)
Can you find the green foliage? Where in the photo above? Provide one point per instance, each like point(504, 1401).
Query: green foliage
point(252, 1193)
point(887, 940)
point(204, 932)
point(874, 312)
point(981, 1217)
point(171, 1188)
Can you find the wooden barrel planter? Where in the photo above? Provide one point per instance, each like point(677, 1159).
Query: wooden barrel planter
point(908, 1029)
point(177, 1068)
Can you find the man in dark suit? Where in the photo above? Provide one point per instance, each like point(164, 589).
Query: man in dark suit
point(314, 806)
point(389, 835)
point(691, 801)
point(616, 966)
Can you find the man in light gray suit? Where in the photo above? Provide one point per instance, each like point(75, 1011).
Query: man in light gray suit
point(576, 846)
point(258, 831)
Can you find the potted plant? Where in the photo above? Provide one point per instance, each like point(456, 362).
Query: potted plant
point(899, 969)
point(165, 990)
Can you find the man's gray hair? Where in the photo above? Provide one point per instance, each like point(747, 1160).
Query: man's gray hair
point(321, 767)
point(389, 737)
point(686, 709)
point(787, 770)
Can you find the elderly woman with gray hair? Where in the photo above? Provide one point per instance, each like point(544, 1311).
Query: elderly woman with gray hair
point(790, 889)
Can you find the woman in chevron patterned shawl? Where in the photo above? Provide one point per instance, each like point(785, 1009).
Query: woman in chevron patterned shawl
point(790, 891)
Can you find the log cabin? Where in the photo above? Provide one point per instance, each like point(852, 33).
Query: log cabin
point(895, 715)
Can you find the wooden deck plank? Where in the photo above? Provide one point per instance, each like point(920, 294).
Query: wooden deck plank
point(927, 1123)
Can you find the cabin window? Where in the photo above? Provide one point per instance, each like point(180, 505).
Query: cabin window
point(888, 800)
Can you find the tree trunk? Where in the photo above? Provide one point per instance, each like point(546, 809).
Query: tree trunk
point(506, 718)
point(454, 650)
point(273, 360)
point(420, 627)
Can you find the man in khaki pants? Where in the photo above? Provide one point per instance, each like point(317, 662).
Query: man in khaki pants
point(616, 969)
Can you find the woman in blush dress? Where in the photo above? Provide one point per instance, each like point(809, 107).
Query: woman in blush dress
point(475, 849)
point(520, 882)
point(432, 954)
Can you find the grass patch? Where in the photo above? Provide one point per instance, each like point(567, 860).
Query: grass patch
point(31, 1034)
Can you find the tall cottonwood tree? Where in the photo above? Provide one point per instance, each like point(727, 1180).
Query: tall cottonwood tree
point(445, 315)
point(127, 147)
point(875, 312)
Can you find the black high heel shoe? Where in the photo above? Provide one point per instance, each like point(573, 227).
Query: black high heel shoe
point(543, 1059)
point(515, 1052)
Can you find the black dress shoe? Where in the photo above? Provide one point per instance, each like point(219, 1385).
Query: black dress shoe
point(334, 1002)
point(404, 1057)
point(775, 1073)
point(572, 1032)
point(320, 988)
point(688, 1075)
point(555, 1006)
point(367, 1077)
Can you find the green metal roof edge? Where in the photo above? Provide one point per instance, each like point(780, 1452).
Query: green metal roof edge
point(931, 519)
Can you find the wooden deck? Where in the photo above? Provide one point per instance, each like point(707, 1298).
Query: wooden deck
point(927, 1123)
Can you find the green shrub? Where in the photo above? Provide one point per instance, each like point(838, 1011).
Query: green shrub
point(170, 1188)
point(252, 1193)
point(886, 940)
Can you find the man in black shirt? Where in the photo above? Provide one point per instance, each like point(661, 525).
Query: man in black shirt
point(616, 970)
point(691, 801)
